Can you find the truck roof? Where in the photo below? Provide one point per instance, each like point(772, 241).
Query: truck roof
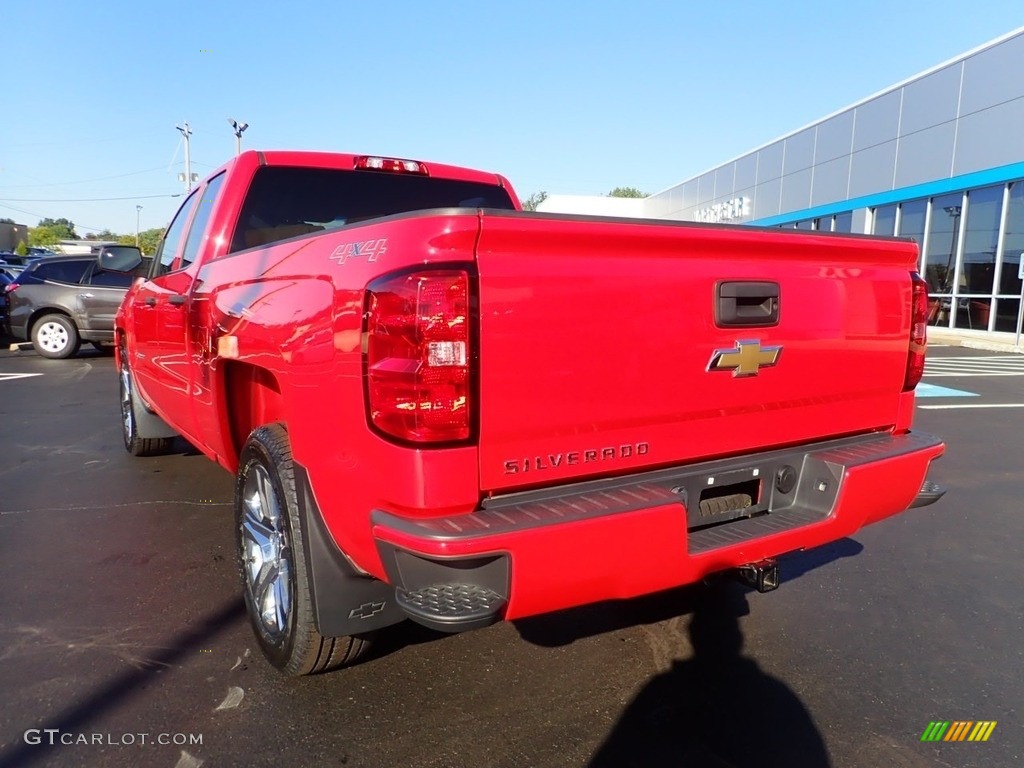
point(346, 161)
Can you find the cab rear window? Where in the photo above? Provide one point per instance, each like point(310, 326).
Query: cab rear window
point(287, 202)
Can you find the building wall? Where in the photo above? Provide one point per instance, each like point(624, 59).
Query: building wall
point(962, 117)
point(11, 235)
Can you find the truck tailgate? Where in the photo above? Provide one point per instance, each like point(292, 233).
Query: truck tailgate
point(601, 352)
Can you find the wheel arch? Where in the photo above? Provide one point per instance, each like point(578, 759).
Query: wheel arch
point(42, 312)
point(251, 397)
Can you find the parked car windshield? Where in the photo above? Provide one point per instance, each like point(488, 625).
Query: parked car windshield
point(285, 202)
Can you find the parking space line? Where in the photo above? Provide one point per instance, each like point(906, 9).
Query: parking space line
point(13, 376)
point(971, 405)
point(934, 390)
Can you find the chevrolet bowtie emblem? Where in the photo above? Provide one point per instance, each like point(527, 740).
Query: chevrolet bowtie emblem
point(745, 359)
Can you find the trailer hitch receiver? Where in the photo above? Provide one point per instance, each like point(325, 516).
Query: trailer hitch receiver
point(762, 575)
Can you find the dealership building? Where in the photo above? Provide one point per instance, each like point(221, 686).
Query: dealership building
point(938, 157)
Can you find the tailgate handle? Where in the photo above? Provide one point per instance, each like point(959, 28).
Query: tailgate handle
point(743, 304)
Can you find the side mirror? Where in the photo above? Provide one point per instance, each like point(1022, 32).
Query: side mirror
point(119, 258)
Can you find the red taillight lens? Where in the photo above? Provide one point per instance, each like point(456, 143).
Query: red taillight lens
point(418, 355)
point(392, 164)
point(918, 332)
point(10, 288)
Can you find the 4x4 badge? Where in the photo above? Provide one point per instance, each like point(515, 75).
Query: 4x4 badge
point(745, 359)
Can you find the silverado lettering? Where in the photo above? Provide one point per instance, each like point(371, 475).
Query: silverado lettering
point(398, 431)
point(573, 458)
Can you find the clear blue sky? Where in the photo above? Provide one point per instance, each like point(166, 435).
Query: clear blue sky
point(568, 97)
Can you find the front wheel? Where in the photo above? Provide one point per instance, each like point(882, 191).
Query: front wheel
point(275, 576)
point(55, 337)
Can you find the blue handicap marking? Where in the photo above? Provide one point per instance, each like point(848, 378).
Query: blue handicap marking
point(934, 390)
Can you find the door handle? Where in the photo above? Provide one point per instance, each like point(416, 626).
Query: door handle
point(149, 301)
point(85, 296)
point(176, 299)
point(747, 303)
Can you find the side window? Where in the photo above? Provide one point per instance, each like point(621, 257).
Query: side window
point(105, 279)
point(168, 249)
point(201, 220)
point(63, 271)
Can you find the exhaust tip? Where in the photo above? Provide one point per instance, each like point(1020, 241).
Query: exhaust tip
point(762, 576)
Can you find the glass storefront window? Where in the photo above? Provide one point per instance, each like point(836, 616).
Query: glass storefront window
point(1006, 314)
point(981, 236)
point(844, 222)
point(943, 231)
point(885, 220)
point(973, 313)
point(912, 220)
point(1013, 243)
point(824, 224)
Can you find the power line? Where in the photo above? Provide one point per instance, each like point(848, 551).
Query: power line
point(83, 181)
point(41, 216)
point(84, 199)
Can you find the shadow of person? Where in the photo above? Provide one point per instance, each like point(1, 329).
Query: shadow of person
point(717, 709)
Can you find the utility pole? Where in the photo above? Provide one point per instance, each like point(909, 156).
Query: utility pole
point(237, 128)
point(187, 132)
point(138, 210)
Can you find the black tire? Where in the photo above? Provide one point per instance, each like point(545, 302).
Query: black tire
point(272, 562)
point(55, 337)
point(135, 445)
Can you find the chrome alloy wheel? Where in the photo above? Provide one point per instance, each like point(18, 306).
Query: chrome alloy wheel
point(53, 337)
point(266, 553)
point(127, 417)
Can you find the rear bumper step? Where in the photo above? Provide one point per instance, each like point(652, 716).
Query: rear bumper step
point(930, 493)
point(539, 551)
point(451, 607)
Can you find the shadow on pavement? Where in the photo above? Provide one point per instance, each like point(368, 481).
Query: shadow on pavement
point(568, 626)
point(120, 689)
point(796, 564)
point(716, 709)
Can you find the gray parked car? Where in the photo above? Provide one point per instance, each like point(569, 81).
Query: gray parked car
point(59, 302)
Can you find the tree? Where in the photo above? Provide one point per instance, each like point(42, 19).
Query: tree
point(531, 203)
point(44, 236)
point(21, 249)
point(51, 232)
point(64, 227)
point(149, 240)
point(627, 192)
point(5, 220)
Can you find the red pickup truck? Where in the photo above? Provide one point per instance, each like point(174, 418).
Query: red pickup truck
point(443, 408)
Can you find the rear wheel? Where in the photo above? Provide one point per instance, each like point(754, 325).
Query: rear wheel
point(135, 445)
point(55, 336)
point(275, 576)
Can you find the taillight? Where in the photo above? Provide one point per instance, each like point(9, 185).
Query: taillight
point(10, 288)
point(918, 332)
point(418, 355)
point(392, 164)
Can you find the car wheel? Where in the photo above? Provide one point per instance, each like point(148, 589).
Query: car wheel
point(135, 445)
point(275, 576)
point(55, 336)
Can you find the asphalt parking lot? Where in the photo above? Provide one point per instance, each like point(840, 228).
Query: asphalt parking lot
point(123, 630)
